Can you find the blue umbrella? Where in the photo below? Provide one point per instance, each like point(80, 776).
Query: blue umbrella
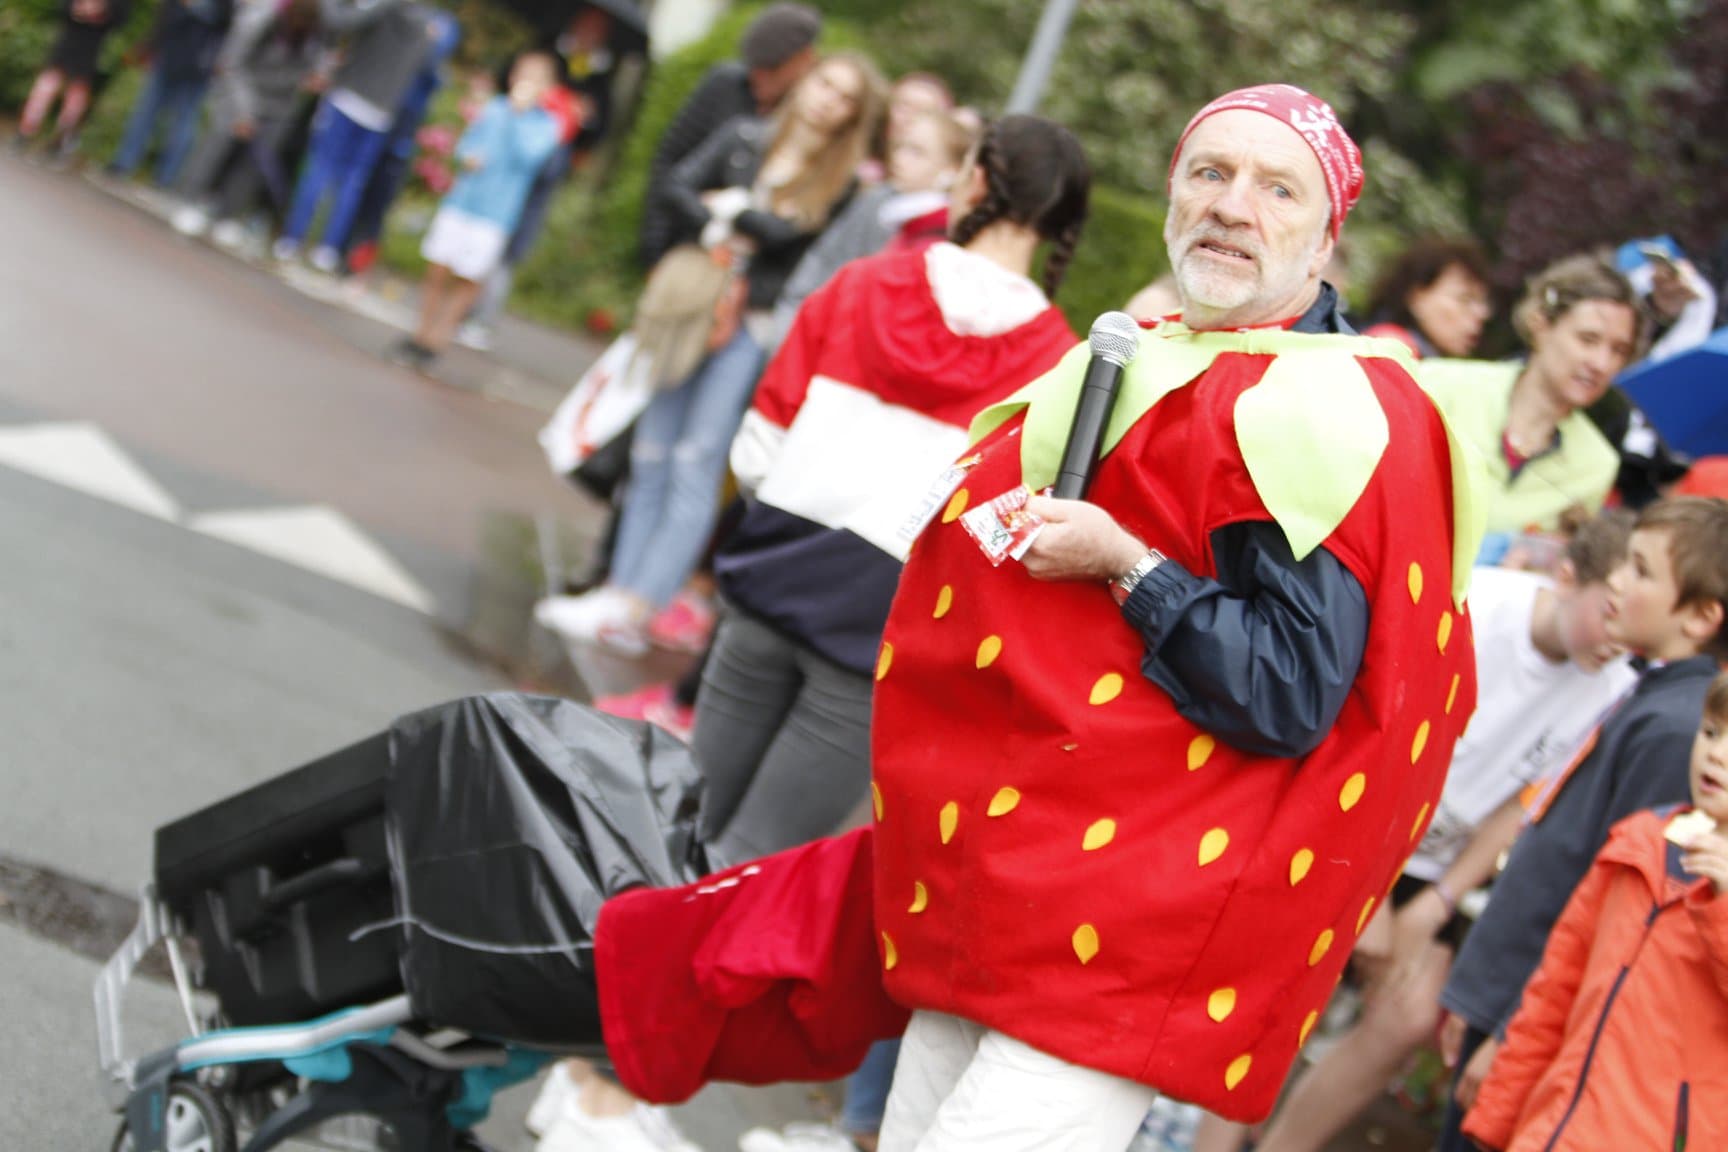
point(1686, 396)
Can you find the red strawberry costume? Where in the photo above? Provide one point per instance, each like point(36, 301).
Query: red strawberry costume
point(1063, 854)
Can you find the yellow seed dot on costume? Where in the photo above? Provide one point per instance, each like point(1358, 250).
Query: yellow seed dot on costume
point(989, 650)
point(1445, 636)
point(1212, 845)
point(920, 897)
point(1420, 742)
point(889, 956)
point(1220, 1004)
point(1237, 1072)
point(950, 820)
point(1415, 583)
point(1307, 1027)
point(1004, 802)
point(876, 800)
point(1085, 943)
point(1098, 835)
point(1109, 687)
point(1299, 865)
point(944, 601)
point(1416, 828)
point(1199, 751)
point(1351, 794)
point(884, 658)
point(1452, 693)
point(956, 505)
point(1362, 920)
point(1322, 945)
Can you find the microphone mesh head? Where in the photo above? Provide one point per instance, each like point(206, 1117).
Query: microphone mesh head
point(1115, 337)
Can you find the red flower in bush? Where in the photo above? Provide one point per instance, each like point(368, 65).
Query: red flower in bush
point(600, 321)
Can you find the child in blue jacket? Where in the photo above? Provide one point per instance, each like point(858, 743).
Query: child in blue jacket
point(501, 153)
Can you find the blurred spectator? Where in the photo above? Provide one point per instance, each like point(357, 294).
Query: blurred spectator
point(391, 41)
point(500, 154)
point(909, 211)
point(583, 101)
point(182, 56)
point(391, 171)
point(776, 51)
point(759, 194)
point(268, 62)
point(1681, 302)
point(70, 72)
point(1433, 297)
point(1536, 452)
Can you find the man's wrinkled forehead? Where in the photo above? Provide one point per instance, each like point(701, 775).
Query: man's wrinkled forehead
point(1240, 138)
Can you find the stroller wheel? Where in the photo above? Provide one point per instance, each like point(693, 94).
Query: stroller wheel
point(196, 1122)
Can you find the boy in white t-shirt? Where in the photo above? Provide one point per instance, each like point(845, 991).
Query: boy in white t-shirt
point(1546, 673)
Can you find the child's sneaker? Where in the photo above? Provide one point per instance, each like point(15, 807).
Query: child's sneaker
point(684, 626)
point(325, 259)
point(285, 251)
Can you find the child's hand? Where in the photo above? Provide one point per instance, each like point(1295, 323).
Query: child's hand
point(1707, 856)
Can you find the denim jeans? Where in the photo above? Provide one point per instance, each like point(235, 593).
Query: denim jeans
point(178, 99)
point(339, 164)
point(677, 462)
point(867, 1090)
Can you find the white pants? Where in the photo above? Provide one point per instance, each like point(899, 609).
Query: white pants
point(959, 1087)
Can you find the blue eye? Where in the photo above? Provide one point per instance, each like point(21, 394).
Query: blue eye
point(1282, 192)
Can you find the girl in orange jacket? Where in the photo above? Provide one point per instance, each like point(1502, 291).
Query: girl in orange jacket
point(1619, 1040)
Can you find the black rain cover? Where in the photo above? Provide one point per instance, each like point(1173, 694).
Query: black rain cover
point(511, 818)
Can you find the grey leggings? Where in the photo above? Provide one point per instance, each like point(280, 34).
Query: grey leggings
point(783, 739)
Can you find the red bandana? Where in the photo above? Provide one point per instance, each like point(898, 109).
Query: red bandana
point(1313, 120)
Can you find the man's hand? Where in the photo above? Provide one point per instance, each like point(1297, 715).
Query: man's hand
point(243, 129)
point(1079, 541)
point(1475, 1073)
point(1707, 856)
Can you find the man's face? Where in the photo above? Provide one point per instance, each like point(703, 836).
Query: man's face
point(770, 85)
point(1247, 231)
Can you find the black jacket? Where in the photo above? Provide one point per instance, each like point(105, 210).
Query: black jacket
point(731, 158)
point(723, 95)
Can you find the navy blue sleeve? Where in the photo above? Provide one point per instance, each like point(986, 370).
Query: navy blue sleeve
point(1262, 657)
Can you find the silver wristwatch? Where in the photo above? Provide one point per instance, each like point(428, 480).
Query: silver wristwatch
point(1123, 586)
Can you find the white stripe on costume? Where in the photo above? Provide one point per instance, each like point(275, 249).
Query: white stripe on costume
point(852, 461)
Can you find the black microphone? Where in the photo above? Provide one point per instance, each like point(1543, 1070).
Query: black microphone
point(1114, 340)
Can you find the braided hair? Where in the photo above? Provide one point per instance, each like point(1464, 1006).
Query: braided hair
point(1035, 175)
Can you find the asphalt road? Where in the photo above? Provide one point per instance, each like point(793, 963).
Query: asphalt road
point(235, 539)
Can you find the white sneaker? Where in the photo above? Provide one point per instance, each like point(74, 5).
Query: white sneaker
point(325, 259)
point(191, 221)
point(229, 235)
point(582, 618)
point(475, 335)
point(285, 251)
point(797, 1138)
point(642, 1129)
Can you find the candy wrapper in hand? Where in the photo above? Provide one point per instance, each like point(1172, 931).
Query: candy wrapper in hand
point(1003, 528)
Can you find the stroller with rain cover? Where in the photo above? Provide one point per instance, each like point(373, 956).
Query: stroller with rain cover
point(397, 930)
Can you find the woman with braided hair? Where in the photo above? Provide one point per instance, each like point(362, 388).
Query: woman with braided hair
point(856, 419)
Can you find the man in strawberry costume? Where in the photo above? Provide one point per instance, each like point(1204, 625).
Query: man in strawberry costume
point(1137, 794)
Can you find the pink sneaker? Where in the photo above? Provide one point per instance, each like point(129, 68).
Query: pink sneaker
point(653, 704)
point(684, 626)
